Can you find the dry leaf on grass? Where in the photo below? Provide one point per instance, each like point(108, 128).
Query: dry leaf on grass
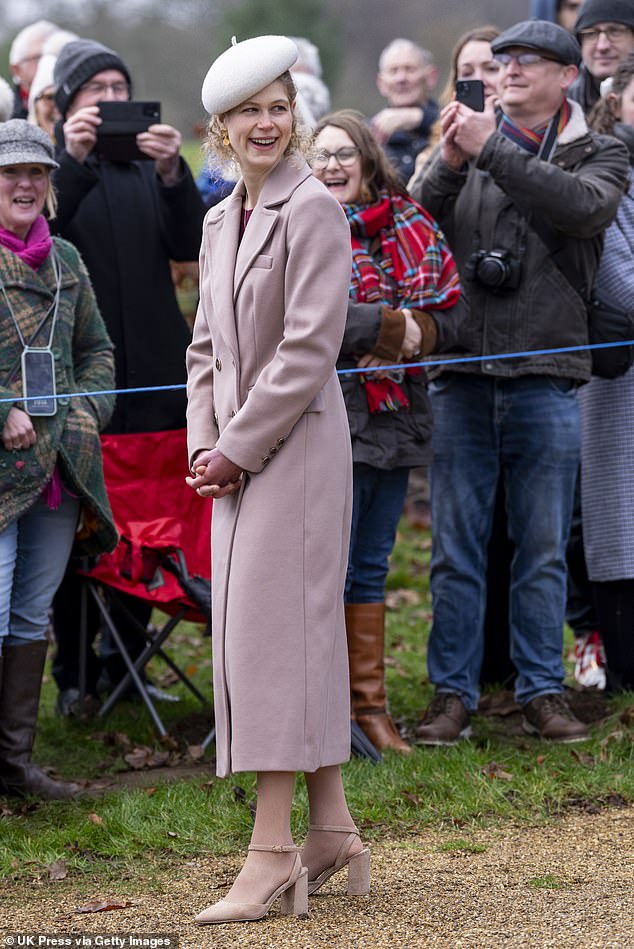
point(394, 599)
point(144, 757)
point(103, 906)
point(493, 770)
point(95, 819)
point(195, 752)
point(57, 870)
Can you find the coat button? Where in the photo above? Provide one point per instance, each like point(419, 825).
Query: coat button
point(218, 365)
point(280, 442)
point(232, 414)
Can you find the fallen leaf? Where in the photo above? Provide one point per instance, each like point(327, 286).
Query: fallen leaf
point(540, 759)
point(394, 599)
point(169, 742)
point(57, 870)
point(95, 819)
point(493, 770)
point(150, 791)
point(172, 833)
point(103, 906)
point(195, 752)
point(583, 758)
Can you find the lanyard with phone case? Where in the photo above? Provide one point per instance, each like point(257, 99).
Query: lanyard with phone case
point(38, 362)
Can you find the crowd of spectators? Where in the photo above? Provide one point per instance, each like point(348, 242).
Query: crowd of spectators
point(477, 233)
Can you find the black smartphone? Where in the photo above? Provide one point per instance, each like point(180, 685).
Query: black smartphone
point(471, 93)
point(38, 381)
point(121, 122)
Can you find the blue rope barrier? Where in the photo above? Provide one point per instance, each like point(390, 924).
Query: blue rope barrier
point(425, 364)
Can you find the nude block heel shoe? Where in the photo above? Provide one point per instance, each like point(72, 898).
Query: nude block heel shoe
point(358, 863)
point(293, 893)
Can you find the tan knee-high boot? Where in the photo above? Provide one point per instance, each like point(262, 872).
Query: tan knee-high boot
point(365, 628)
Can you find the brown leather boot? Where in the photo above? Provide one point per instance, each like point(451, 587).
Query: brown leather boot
point(365, 627)
point(20, 682)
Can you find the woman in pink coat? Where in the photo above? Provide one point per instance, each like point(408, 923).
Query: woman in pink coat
point(268, 440)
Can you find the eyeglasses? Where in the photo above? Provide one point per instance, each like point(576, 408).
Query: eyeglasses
point(522, 59)
point(343, 156)
point(118, 89)
point(615, 32)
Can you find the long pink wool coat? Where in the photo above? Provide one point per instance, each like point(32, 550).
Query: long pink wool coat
point(262, 387)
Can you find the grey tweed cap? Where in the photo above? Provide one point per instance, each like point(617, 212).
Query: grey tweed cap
point(542, 36)
point(22, 143)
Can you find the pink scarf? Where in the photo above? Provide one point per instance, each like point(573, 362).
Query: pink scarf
point(37, 246)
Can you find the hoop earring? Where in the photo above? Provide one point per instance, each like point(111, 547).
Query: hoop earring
point(225, 138)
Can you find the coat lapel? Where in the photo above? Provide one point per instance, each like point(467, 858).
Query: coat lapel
point(277, 189)
point(223, 228)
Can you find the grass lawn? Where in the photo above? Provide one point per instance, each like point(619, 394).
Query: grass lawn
point(499, 775)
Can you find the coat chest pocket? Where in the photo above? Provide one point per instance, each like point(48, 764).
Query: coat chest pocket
point(262, 262)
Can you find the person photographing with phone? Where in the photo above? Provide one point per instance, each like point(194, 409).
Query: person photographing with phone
point(128, 218)
point(523, 196)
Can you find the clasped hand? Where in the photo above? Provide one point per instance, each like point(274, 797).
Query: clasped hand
point(213, 475)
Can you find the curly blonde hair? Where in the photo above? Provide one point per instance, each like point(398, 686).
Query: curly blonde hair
point(221, 157)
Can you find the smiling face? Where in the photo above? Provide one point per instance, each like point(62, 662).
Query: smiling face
point(602, 54)
point(475, 61)
point(344, 183)
point(260, 128)
point(405, 79)
point(23, 190)
point(532, 94)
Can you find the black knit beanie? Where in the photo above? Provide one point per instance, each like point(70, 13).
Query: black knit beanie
point(605, 11)
point(78, 62)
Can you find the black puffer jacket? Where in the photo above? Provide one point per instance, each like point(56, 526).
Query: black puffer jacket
point(571, 200)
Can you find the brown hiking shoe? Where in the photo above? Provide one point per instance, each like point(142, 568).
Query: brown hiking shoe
point(549, 716)
point(446, 721)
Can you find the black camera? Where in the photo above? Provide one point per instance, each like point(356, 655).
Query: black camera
point(496, 269)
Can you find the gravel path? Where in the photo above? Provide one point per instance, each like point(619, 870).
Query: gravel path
point(569, 884)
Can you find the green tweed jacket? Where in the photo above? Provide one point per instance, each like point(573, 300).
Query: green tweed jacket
point(84, 362)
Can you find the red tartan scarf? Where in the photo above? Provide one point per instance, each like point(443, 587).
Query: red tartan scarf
point(411, 267)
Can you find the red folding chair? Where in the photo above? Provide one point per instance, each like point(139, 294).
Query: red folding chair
point(164, 552)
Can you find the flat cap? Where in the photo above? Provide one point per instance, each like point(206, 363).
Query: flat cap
point(22, 143)
point(543, 36)
point(244, 69)
point(605, 11)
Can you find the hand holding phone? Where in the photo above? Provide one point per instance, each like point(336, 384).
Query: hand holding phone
point(470, 92)
point(121, 122)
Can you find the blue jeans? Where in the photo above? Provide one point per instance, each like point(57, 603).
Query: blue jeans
point(527, 431)
point(34, 550)
point(377, 503)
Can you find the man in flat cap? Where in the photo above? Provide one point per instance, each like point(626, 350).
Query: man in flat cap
point(605, 31)
point(523, 195)
point(128, 219)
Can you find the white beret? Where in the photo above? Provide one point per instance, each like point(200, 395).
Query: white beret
point(244, 69)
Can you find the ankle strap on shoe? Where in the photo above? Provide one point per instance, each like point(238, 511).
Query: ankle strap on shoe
point(334, 827)
point(275, 848)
